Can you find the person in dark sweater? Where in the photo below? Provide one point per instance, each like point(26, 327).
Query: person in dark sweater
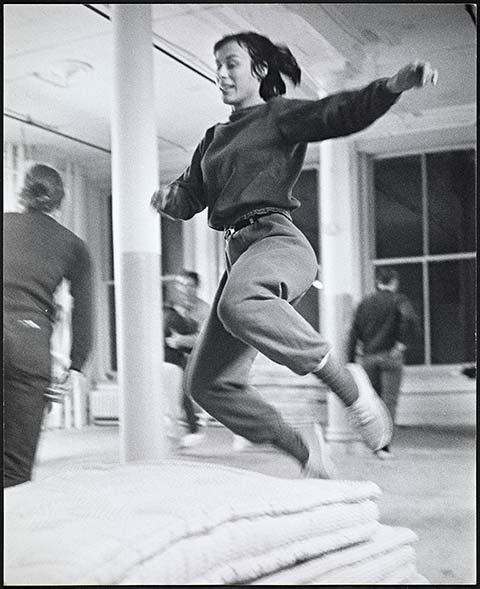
point(243, 172)
point(383, 325)
point(38, 254)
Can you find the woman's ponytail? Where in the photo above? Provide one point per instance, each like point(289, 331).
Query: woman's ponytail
point(281, 61)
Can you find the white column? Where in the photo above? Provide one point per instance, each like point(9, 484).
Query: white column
point(340, 247)
point(136, 232)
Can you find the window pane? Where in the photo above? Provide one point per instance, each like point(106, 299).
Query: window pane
point(452, 311)
point(398, 207)
point(451, 201)
point(411, 285)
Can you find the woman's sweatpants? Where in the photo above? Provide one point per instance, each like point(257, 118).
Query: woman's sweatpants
point(26, 377)
point(270, 266)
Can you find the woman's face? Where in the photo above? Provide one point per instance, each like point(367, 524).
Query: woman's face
point(238, 85)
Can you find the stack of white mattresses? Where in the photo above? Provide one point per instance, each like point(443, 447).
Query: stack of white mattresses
point(175, 523)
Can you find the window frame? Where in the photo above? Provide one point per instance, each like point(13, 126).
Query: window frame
point(369, 261)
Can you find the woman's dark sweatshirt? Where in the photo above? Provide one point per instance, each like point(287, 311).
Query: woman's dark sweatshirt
point(252, 162)
point(38, 254)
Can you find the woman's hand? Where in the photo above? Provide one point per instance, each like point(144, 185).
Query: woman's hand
point(60, 387)
point(418, 74)
point(179, 341)
point(174, 340)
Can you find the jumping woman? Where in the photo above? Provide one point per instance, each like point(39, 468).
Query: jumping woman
point(243, 172)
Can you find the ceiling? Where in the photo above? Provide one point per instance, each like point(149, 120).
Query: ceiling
point(338, 46)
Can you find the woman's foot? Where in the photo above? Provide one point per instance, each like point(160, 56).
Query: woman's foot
point(384, 453)
point(369, 414)
point(319, 464)
point(190, 440)
point(240, 443)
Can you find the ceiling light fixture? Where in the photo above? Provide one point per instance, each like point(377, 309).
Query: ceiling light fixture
point(65, 73)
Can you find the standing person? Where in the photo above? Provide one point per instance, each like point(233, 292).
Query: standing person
point(38, 254)
point(183, 318)
point(243, 171)
point(384, 322)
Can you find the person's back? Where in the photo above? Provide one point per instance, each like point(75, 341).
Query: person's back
point(384, 323)
point(38, 254)
point(378, 319)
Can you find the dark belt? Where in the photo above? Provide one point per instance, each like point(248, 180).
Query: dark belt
point(245, 222)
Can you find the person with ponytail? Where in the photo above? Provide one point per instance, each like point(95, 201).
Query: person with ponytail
point(38, 254)
point(243, 172)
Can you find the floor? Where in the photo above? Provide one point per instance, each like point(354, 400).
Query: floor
point(428, 486)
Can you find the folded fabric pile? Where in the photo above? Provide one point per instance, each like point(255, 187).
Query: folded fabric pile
point(179, 523)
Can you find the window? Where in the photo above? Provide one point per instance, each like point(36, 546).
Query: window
point(424, 227)
point(410, 276)
point(398, 207)
point(450, 187)
point(452, 311)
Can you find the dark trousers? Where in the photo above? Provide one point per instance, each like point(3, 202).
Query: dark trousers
point(27, 366)
point(385, 374)
point(270, 265)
